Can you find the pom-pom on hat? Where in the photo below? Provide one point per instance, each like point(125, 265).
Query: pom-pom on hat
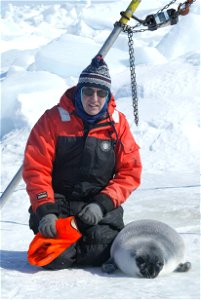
point(96, 74)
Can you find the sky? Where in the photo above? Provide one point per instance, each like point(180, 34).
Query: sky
point(44, 47)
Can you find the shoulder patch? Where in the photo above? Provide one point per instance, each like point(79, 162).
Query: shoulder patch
point(64, 114)
point(115, 116)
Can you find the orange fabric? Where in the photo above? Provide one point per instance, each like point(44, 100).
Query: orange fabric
point(43, 251)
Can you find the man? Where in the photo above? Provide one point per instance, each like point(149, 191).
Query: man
point(81, 160)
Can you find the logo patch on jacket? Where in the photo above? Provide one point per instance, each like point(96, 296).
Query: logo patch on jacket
point(105, 146)
point(41, 195)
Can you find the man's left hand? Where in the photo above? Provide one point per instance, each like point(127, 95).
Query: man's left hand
point(91, 214)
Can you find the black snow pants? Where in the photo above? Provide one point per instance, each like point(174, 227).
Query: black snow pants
point(93, 248)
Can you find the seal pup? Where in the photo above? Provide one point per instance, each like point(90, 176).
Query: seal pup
point(147, 248)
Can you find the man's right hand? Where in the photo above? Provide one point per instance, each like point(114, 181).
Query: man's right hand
point(47, 226)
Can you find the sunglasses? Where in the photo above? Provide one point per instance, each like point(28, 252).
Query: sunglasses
point(87, 91)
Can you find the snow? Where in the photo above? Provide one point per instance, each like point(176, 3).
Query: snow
point(44, 47)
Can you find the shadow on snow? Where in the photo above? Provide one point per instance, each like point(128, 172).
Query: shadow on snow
point(17, 260)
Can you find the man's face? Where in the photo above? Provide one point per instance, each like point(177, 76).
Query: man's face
point(93, 100)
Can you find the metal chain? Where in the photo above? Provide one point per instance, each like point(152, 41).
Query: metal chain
point(166, 6)
point(133, 77)
point(130, 30)
point(186, 3)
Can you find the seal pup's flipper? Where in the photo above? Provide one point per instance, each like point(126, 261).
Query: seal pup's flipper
point(109, 266)
point(185, 267)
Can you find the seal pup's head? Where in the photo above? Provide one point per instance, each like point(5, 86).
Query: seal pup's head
point(149, 260)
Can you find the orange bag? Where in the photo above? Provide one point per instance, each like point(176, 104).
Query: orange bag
point(43, 251)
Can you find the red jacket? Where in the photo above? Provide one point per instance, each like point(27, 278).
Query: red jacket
point(43, 155)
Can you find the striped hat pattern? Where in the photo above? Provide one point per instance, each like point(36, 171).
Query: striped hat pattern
point(96, 74)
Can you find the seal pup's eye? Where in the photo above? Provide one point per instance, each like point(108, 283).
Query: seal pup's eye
point(140, 260)
point(160, 264)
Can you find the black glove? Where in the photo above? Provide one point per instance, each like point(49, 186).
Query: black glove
point(47, 226)
point(91, 214)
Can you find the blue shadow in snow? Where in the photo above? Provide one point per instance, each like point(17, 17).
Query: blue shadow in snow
point(17, 260)
point(3, 75)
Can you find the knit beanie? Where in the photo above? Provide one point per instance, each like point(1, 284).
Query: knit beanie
point(96, 74)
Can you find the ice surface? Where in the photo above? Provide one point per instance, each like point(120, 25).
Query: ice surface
point(45, 45)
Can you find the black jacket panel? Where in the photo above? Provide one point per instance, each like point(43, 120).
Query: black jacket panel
point(78, 167)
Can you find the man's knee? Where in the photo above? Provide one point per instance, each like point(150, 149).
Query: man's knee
point(65, 260)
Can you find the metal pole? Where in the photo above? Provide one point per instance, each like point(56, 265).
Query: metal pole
point(110, 41)
point(103, 51)
point(10, 188)
point(117, 29)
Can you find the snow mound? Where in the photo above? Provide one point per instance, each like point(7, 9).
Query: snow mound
point(74, 53)
point(182, 39)
point(26, 95)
